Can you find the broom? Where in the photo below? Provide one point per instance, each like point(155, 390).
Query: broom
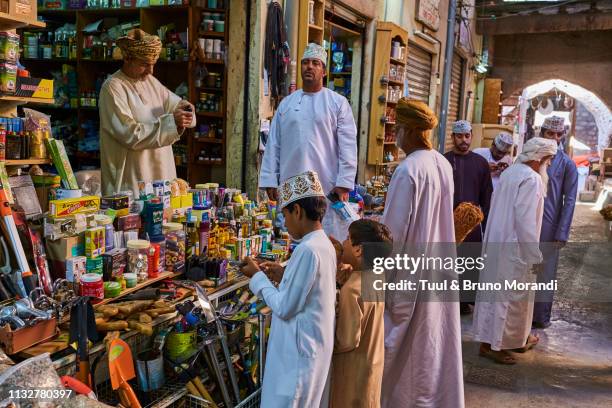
point(467, 216)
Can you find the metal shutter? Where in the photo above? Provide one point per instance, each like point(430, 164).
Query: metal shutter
point(418, 73)
point(456, 97)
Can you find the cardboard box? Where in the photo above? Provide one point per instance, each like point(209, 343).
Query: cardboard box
point(59, 250)
point(27, 9)
point(71, 206)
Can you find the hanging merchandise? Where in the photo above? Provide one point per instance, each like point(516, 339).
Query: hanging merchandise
point(276, 55)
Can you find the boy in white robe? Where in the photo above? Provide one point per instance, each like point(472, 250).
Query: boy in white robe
point(303, 306)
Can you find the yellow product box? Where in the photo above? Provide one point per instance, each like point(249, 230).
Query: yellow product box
point(187, 200)
point(70, 206)
point(175, 202)
point(95, 242)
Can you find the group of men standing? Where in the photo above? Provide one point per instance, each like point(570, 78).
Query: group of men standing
point(312, 152)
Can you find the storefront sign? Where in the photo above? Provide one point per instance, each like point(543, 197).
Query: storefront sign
point(428, 13)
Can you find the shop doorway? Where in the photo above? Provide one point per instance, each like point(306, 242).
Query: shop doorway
point(344, 40)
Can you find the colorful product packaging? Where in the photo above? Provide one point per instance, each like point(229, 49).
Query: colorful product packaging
point(71, 206)
point(95, 242)
point(75, 268)
point(62, 164)
point(9, 46)
point(129, 222)
point(119, 203)
point(8, 78)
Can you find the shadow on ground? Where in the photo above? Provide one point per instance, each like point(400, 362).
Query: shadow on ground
point(572, 364)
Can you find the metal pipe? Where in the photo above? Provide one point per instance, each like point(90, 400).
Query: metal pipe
point(448, 67)
point(262, 345)
point(212, 354)
point(228, 359)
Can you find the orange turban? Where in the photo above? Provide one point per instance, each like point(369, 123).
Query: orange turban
point(417, 115)
point(138, 44)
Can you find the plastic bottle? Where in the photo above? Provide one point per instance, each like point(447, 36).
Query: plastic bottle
point(204, 232)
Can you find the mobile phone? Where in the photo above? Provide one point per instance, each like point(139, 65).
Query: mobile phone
point(333, 197)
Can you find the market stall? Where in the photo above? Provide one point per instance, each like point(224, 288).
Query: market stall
point(158, 270)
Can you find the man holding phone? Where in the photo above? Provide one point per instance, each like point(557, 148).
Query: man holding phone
point(313, 130)
point(498, 155)
point(140, 119)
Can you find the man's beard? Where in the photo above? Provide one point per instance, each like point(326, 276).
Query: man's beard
point(544, 174)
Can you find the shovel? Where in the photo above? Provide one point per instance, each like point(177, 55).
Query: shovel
point(121, 367)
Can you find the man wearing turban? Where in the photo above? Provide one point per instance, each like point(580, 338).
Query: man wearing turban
point(502, 318)
point(313, 130)
point(423, 362)
point(558, 212)
point(140, 119)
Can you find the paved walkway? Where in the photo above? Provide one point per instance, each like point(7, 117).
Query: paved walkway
point(572, 365)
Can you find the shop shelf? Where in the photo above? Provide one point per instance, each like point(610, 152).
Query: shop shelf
point(207, 140)
point(47, 60)
point(213, 10)
point(211, 114)
point(398, 83)
point(148, 282)
point(393, 163)
point(398, 61)
point(23, 99)
point(341, 73)
point(208, 163)
point(9, 22)
point(215, 34)
point(28, 162)
point(213, 61)
point(315, 27)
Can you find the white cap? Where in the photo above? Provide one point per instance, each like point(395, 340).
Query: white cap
point(315, 51)
point(554, 123)
point(462, 126)
point(301, 186)
point(503, 141)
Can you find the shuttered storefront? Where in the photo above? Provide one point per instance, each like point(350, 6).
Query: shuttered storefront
point(456, 98)
point(419, 73)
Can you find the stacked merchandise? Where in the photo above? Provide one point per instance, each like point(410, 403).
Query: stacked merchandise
point(9, 55)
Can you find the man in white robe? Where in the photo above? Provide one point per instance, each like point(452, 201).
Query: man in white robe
point(140, 119)
point(313, 129)
point(301, 339)
point(502, 319)
point(498, 155)
point(423, 361)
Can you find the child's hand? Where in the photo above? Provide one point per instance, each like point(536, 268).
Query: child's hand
point(343, 273)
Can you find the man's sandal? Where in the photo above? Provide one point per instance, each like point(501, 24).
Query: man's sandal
point(532, 341)
point(500, 357)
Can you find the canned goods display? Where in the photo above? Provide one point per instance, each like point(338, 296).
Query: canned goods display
point(138, 258)
point(175, 247)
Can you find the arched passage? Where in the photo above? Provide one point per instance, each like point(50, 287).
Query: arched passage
point(599, 110)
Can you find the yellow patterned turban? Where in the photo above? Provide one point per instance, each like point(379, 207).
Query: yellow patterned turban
point(138, 44)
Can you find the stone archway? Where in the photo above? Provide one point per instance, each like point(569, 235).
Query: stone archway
point(599, 110)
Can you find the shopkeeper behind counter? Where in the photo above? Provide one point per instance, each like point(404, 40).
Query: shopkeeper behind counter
point(140, 119)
